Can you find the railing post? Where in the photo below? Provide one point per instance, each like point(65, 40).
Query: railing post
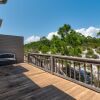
point(52, 64)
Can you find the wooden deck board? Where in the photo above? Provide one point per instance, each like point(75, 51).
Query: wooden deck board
point(26, 82)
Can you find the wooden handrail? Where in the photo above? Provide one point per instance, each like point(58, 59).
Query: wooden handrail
point(71, 68)
point(87, 60)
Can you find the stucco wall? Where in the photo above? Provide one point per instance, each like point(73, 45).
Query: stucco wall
point(12, 44)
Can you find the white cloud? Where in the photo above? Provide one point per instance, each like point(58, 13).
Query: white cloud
point(91, 31)
point(37, 38)
point(50, 35)
point(32, 39)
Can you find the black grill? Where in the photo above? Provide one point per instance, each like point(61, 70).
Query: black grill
point(7, 59)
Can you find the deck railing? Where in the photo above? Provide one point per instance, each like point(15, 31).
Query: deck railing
point(83, 71)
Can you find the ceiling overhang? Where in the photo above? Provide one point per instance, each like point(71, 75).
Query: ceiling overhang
point(0, 22)
point(3, 1)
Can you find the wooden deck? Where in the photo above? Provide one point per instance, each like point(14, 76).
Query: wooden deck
point(25, 82)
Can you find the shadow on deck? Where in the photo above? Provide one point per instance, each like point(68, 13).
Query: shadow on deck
point(15, 85)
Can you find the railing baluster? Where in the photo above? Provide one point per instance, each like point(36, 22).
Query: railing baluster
point(32, 60)
point(91, 74)
point(66, 68)
point(45, 63)
point(52, 64)
point(98, 76)
point(49, 63)
point(84, 72)
point(59, 66)
point(55, 65)
point(79, 72)
point(62, 62)
point(74, 71)
point(40, 61)
point(35, 60)
point(70, 69)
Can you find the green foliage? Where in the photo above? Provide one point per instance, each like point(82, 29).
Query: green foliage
point(55, 45)
point(98, 34)
point(90, 54)
point(64, 30)
point(44, 49)
point(98, 50)
point(69, 42)
point(90, 51)
point(95, 56)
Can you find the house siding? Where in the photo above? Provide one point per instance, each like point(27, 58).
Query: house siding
point(12, 44)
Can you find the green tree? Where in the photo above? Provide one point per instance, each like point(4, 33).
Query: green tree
point(64, 30)
point(98, 34)
point(69, 42)
point(55, 45)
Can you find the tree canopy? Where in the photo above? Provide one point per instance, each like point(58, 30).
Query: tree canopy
point(69, 42)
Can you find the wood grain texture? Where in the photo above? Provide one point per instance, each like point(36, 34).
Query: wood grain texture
point(26, 82)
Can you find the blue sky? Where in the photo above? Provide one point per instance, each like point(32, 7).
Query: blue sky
point(40, 17)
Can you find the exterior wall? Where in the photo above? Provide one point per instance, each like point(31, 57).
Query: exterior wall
point(12, 44)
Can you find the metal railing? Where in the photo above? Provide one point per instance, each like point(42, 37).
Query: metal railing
point(83, 71)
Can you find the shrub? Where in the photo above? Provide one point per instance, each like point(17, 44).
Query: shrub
point(90, 52)
point(95, 56)
point(98, 50)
